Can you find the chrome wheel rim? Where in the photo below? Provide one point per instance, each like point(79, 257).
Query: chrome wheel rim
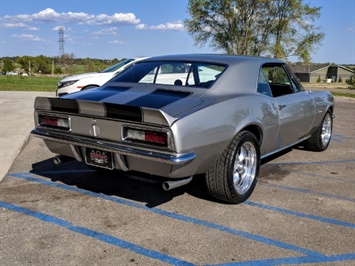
point(326, 129)
point(244, 169)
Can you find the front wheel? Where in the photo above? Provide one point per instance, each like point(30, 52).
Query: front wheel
point(234, 175)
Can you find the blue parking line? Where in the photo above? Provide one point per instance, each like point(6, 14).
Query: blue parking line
point(338, 179)
point(318, 163)
point(302, 215)
point(339, 138)
point(294, 260)
point(96, 235)
point(336, 138)
point(261, 239)
point(308, 191)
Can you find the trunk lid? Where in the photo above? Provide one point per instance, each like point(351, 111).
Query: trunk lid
point(146, 103)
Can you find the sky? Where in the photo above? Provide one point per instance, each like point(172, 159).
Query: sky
point(111, 29)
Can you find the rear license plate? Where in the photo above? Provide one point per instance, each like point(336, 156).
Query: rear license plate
point(99, 158)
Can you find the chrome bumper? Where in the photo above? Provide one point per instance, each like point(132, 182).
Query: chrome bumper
point(78, 141)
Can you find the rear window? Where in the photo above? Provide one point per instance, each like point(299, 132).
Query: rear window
point(172, 73)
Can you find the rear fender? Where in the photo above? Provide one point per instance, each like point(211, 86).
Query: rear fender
point(323, 101)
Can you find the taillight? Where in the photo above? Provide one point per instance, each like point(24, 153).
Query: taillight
point(53, 122)
point(146, 136)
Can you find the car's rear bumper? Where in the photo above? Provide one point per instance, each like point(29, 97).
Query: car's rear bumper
point(126, 158)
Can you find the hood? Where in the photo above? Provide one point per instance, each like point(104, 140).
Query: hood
point(86, 75)
point(150, 103)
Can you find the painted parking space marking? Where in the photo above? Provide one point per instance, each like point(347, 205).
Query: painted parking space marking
point(294, 260)
point(302, 215)
point(310, 163)
point(339, 179)
point(95, 234)
point(316, 256)
point(308, 191)
point(311, 257)
point(339, 138)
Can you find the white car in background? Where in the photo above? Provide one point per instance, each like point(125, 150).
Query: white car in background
point(11, 73)
point(92, 80)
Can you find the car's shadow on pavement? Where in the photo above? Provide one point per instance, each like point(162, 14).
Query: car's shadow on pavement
point(129, 185)
point(135, 186)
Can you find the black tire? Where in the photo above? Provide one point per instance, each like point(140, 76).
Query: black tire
point(320, 139)
point(220, 179)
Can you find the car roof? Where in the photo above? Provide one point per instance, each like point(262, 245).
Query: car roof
point(216, 58)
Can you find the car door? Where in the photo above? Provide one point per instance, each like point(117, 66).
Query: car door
point(295, 106)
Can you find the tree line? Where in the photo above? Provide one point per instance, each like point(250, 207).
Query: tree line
point(41, 64)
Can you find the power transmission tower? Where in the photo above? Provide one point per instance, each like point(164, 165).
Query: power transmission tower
point(61, 44)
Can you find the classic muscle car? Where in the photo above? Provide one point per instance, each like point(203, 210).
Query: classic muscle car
point(182, 115)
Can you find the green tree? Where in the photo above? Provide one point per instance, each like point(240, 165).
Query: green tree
point(25, 62)
point(42, 64)
point(351, 82)
point(67, 59)
point(58, 70)
point(295, 33)
point(8, 65)
point(278, 28)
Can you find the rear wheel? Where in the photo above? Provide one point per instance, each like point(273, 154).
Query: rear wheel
point(234, 175)
point(320, 139)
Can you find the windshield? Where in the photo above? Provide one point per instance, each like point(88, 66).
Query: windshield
point(117, 66)
point(198, 74)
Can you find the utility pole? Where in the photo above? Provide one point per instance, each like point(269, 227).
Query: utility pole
point(61, 44)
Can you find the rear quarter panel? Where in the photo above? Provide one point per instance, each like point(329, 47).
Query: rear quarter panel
point(208, 131)
point(323, 101)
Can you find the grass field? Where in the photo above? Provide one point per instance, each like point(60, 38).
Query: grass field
point(344, 94)
point(32, 83)
point(46, 83)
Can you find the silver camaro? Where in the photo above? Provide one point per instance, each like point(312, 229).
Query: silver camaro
point(182, 115)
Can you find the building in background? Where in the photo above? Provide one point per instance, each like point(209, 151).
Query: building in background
point(322, 73)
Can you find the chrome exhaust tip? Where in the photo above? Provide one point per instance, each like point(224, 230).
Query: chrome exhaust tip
point(169, 185)
point(61, 159)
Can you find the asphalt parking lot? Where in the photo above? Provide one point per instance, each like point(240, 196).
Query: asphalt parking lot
point(301, 212)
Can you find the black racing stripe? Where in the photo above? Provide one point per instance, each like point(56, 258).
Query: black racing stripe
point(159, 98)
point(96, 94)
point(64, 105)
point(116, 111)
point(123, 112)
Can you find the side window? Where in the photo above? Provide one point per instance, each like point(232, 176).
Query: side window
point(278, 79)
point(297, 87)
point(263, 84)
point(294, 85)
point(208, 73)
